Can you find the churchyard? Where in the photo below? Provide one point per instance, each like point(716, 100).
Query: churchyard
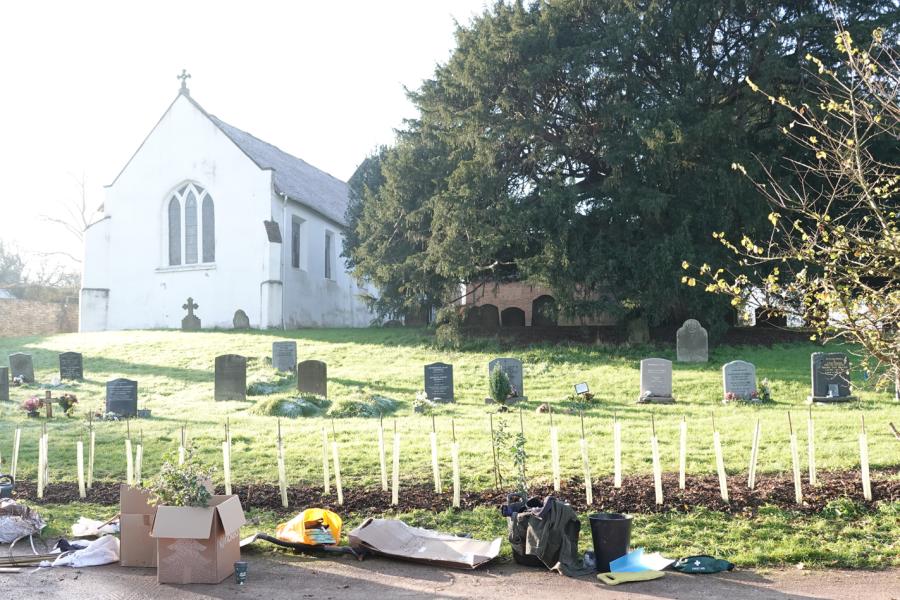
point(175, 373)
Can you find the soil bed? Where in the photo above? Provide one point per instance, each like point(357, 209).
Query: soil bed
point(635, 496)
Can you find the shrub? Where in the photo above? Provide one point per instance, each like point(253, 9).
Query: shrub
point(304, 406)
point(360, 404)
point(499, 386)
point(181, 485)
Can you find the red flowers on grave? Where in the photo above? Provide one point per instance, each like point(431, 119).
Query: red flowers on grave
point(32, 405)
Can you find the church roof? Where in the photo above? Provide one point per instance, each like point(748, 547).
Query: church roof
point(295, 178)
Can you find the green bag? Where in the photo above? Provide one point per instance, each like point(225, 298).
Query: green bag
point(702, 563)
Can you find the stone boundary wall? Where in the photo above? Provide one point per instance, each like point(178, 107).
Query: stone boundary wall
point(30, 317)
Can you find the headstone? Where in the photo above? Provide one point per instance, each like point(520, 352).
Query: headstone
point(4, 384)
point(71, 365)
point(191, 322)
point(692, 342)
point(830, 377)
point(121, 397)
point(240, 320)
point(439, 382)
point(739, 378)
point(20, 365)
point(231, 377)
point(284, 356)
point(513, 369)
point(656, 381)
point(312, 377)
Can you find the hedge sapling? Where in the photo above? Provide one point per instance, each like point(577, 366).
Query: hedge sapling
point(337, 465)
point(720, 462)
point(617, 452)
point(282, 475)
point(864, 461)
point(795, 463)
point(657, 468)
point(226, 458)
point(811, 447)
point(554, 453)
point(586, 464)
point(129, 457)
point(92, 440)
point(139, 459)
point(435, 470)
point(395, 474)
point(381, 456)
point(454, 456)
point(754, 454)
point(17, 439)
point(79, 463)
point(326, 478)
point(682, 453)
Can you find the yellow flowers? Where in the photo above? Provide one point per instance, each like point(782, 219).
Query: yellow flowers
point(738, 167)
point(813, 139)
point(820, 154)
point(773, 218)
point(752, 85)
point(690, 281)
point(685, 264)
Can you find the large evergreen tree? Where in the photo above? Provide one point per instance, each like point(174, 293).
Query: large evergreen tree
point(586, 144)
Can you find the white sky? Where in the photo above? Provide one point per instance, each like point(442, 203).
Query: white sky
point(84, 82)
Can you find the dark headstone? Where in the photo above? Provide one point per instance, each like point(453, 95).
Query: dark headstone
point(191, 322)
point(273, 231)
point(284, 356)
point(830, 377)
point(4, 384)
point(439, 382)
point(544, 312)
point(71, 365)
point(121, 397)
point(692, 342)
point(240, 320)
point(20, 365)
point(512, 317)
point(513, 369)
point(231, 377)
point(312, 378)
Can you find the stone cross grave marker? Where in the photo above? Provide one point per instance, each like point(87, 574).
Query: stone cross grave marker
point(191, 322)
point(739, 378)
point(231, 377)
point(4, 384)
point(692, 342)
point(20, 365)
point(121, 397)
point(312, 377)
point(439, 382)
point(656, 381)
point(71, 365)
point(830, 377)
point(284, 356)
point(513, 369)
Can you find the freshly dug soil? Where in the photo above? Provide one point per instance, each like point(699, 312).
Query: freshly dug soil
point(635, 496)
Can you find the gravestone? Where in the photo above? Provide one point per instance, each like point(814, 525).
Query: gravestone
point(830, 377)
point(121, 397)
point(191, 322)
point(4, 384)
point(240, 320)
point(439, 382)
point(71, 365)
point(312, 378)
point(231, 377)
point(692, 342)
point(20, 365)
point(739, 378)
point(656, 381)
point(284, 356)
point(513, 369)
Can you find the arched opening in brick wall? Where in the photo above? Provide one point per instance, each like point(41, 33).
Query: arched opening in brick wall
point(544, 312)
point(512, 317)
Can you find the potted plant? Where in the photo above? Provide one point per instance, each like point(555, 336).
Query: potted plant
point(32, 405)
point(187, 484)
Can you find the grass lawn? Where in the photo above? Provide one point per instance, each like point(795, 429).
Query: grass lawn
point(174, 371)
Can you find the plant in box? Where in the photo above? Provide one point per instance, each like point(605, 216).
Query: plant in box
point(182, 485)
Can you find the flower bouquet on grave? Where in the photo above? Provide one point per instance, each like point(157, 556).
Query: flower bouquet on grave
point(32, 406)
point(422, 404)
point(67, 403)
point(18, 380)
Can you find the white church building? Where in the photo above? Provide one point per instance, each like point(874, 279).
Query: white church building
point(207, 211)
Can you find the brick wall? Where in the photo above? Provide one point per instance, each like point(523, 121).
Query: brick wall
point(521, 295)
point(30, 317)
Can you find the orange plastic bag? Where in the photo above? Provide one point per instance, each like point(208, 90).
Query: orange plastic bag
point(295, 532)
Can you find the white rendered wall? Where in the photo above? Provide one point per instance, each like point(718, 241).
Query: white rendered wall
point(145, 292)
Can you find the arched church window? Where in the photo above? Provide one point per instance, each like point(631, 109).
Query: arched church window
point(174, 231)
point(189, 236)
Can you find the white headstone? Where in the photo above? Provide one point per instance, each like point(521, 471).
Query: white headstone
point(739, 378)
point(656, 377)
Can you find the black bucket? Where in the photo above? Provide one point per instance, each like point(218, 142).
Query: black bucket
point(611, 533)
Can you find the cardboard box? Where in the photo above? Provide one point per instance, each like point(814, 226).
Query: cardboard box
point(198, 545)
point(396, 539)
point(137, 547)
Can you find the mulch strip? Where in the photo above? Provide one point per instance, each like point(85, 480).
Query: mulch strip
point(635, 496)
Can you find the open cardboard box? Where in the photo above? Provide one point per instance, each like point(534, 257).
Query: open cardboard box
point(198, 545)
point(137, 548)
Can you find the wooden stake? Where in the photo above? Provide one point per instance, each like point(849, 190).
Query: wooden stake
point(754, 454)
point(435, 469)
point(15, 456)
point(811, 447)
point(617, 452)
point(382, 459)
point(795, 463)
point(864, 461)
point(282, 475)
point(326, 478)
point(554, 454)
point(454, 457)
point(395, 475)
point(720, 463)
point(657, 468)
point(682, 453)
point(79, 461)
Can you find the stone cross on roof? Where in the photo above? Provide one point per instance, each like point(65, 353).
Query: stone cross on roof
point(184, 77)
point(190, 306)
